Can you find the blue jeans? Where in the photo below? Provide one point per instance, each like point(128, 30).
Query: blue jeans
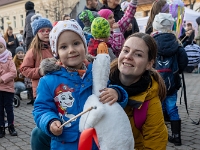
point(39, 140)
point(169, 106)
point(19, 87)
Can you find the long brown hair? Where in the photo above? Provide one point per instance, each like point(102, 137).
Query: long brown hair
point(6, 33)
point(151, 44)
point(155, 9)
point(36, 45)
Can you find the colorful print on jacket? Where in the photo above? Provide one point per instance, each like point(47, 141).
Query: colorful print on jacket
point(60, 96)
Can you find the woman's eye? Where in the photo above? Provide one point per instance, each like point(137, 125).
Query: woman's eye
point(138, 54)
point(125, 50)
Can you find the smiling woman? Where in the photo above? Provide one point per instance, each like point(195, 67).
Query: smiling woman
point(145, 87)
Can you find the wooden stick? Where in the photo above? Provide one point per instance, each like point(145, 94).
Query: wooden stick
point(89, 109)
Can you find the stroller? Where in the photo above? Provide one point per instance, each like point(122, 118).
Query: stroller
point(21, 92)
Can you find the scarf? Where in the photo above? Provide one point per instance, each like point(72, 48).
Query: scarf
point(4, 56)
point(140, 86)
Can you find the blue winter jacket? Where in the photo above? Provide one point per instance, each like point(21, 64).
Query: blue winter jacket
point(70, 90)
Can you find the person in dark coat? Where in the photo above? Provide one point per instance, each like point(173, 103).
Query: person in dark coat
point(90, 5)
point(11, 40)
point(188, 37)
point(28, 34)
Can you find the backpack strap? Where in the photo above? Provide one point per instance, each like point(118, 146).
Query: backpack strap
point(85, 141)
point(164, 70)
point(140, 115)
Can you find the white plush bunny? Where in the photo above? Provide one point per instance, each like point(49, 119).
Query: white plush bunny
point(110, 122)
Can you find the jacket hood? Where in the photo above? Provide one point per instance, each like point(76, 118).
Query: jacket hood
point(30, 11)
point(52, 66)
point(167, 44)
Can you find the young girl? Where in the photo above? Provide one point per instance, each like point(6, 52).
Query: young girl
point(39, 50)
point(61, 94)
point(145, 87)
point(116, 39)
point(7, 75)
point(19, 80)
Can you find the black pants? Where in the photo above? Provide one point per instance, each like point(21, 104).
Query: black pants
point(6, 102)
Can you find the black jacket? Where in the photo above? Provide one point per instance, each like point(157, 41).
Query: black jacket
point(168, 46)
point(12, 47)
point(28, 34)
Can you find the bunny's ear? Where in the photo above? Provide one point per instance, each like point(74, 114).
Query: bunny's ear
point(102, 48)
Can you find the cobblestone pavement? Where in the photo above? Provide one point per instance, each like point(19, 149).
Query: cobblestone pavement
point(190, 133)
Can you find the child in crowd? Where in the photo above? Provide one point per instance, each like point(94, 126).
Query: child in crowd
point(39, 49)
point(100, 29)
point(133, 71)
point(116, 39)
point(7, 74)
point(87, 17)
point(170, 51)
point(19, 80)
point(61, 94)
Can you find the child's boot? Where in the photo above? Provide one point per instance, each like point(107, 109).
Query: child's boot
point(2, 131)
point(11, 130)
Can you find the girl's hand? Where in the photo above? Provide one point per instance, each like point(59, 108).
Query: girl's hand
point(54, 128)
point(108, 95)
point(115, 25)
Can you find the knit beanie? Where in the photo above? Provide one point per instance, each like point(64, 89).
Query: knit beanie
point(29, 5)
point(105, 13)
point(100, 28)
point(87, 17)
point(18, 49)
point(124, 5)
point(61, 26)
point(163, 22)
point(38, 22)
point(2, 41)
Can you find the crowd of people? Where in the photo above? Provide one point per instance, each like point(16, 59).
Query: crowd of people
point(70, 47)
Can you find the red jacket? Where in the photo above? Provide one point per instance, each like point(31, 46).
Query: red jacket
point(30, 66)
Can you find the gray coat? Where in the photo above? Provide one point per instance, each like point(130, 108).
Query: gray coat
point(28, 34)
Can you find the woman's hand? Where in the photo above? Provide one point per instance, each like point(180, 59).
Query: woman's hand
point(11, 43)
point(108, 95)
point(54, 128)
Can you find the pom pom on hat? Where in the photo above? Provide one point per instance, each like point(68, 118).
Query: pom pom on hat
point(29, 5)
point(2, 40)
point(100, 28)
point(87, 17)
point(61, 26)
point(38, 22)
point(124, 5)
point(163, 22)
point(105, 13)
point(18, 49)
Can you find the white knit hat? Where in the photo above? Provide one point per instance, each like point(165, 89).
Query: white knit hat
point(61, 26)
point(163, 22)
